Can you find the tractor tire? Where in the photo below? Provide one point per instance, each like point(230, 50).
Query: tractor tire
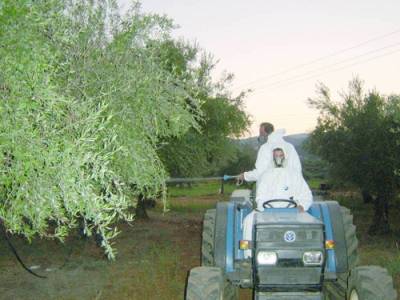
point(370, 283)
point(205, 283)
point(231, 292)
point(337, 290)
point(351, 244)
point(207, 243)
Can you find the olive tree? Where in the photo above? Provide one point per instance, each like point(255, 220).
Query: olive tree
point(84, 104)
point(358, 137)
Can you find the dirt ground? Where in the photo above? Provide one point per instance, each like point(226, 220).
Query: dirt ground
point(153, 259)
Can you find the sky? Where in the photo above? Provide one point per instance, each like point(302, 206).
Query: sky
point(282, 49)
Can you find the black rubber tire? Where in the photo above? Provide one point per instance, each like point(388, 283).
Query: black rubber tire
point(205, 283)
point(351, 244)
point(371, 283)
point(337, 290)
point(207, 242)
point(231, 292)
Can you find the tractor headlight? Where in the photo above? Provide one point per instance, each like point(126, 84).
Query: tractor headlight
point(267, 258)
point(313, 258)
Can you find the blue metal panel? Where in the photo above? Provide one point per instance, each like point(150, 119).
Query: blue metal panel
point(315, 210)
point(240, 215)
point(230, 232)
point(239, 233)
point(331, 256)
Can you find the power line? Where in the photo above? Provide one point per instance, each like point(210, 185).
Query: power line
point(334, 70)
point(328, 66)
point(320, 58)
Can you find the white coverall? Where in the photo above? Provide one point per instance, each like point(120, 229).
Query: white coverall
point(283, 183)
point(278, 183)
point(265, 160)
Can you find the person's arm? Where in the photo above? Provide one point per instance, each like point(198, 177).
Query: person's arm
point(264, 158)
point(303, 194)
point(251, 175)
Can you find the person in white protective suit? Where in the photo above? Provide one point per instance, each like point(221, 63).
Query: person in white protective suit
point(274, 139)
point(282, 182)
point(278, 182)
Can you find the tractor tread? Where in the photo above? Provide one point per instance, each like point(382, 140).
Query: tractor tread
point(207, 244)
point(337, 290)
point(371, 283)
point(205, 283)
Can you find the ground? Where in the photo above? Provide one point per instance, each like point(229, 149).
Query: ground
point(154, 256)
point(153, 259)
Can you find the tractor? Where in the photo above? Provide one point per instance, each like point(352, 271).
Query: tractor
point(295, 255)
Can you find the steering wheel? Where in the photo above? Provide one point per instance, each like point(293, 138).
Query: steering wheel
point(291, 203)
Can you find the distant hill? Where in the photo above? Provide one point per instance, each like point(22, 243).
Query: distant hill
point(297, 140)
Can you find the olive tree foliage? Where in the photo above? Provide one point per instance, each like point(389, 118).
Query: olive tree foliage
point(209, 148)
point(245, 160)
point(358, 137)
point(84, 104)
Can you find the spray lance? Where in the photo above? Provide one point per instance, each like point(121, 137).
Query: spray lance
point(199, 179)
point(195, 179)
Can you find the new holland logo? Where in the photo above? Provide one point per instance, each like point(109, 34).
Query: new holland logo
point(289, 236)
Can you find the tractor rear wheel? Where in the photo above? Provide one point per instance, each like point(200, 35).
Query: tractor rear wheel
point(351, 244)
point(337, 290)
point(370, 283)
point(207, 243)
point(231, 291)
point(205, 283)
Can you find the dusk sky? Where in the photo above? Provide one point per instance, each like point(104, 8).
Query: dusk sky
point(269, 45)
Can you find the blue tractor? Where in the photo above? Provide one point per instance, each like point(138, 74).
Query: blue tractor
point(310, 256)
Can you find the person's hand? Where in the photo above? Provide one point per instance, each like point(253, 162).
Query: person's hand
point(300, 208)
point(240, 179)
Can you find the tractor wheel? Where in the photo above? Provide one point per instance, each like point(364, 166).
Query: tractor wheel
point(205, 283)
point(231, 292)
point(207, 244)
point(370, 283)
point(337, 290)
point(351, 244)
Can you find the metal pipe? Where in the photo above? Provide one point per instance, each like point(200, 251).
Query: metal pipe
point(194, 179)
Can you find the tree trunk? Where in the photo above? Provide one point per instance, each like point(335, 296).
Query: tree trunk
point(140, 211)
point(367, 198)
point(380, 223)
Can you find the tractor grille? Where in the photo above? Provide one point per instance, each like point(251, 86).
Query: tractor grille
point(289, 269)
point(271, 234)
point(288, 276)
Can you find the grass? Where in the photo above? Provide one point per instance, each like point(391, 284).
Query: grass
point(199, 206)
point(315, 183)
point(200, 189)
point(197, 198)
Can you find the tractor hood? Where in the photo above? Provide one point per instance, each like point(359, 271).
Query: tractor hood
point(277, 216)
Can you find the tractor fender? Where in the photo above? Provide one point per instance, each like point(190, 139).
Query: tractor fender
point(330, 213)
point(220, 234)
point(338, 236)
point(228, 228)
